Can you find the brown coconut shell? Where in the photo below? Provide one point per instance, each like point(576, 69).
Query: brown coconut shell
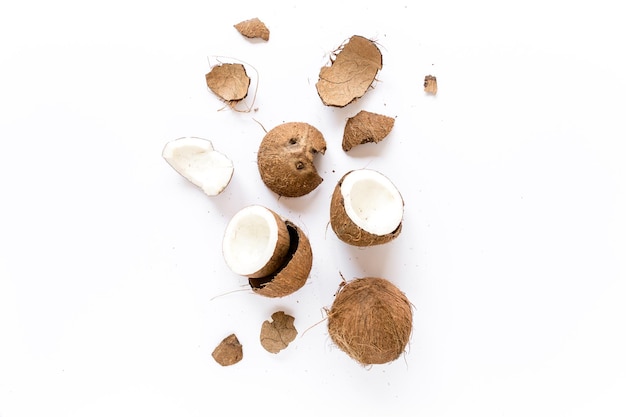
point(253, 28)
point(230, 82)
point(229, 351)
point(430, 84)
point(346, 230)
point(281, 250)
point(366, 127)
point(292, 275)
point(351, 73)
point(371, 320)
point(285, 158)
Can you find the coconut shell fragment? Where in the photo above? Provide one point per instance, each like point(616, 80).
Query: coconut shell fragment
point(285, 158)
point(253, 28)
point(430, 84)
point(229, 82)
point(366, 209)
point(371, 320)
point(366, 127)
point(292, 275)
point(278, 333)
point(351, 73)
point(228, 352)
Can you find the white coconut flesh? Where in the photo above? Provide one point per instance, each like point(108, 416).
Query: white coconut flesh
point(372, 202)
point(197, 161)
point(250, 240)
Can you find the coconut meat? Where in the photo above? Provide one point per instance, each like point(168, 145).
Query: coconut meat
point(250, 240)
point(197, 161)
point(372, 202)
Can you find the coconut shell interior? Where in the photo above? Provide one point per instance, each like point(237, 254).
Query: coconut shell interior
point(371, 320)
point(292, 275)
point(346, 230)
point(285, 158)
point(230, 82)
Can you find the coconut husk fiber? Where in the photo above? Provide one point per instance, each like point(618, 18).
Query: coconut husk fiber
point(366, 127)
point(371, 320)
point(346, 230)
point(351, 73)
point(285, 158)
point(253, 28)
point(230, 82)
point(292, 275)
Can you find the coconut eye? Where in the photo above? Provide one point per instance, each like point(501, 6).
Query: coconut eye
point(293, 141)
point(299, 165)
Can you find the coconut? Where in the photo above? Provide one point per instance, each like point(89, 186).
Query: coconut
point(366, 127)
point(366, 208)
point(371, 320)
point(197, 161)
point(351, 73)
point(285, 158)
point(256, 242)
point(292, 275)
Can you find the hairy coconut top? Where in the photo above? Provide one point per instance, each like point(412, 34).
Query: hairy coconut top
point(351, 73)
point(285, 158)
point(255, 242)
point(371, 320)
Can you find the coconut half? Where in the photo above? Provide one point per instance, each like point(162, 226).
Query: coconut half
point(256, 242)
point(285, 158)
point(197, 161)
point(366, 208)
point(371, 320)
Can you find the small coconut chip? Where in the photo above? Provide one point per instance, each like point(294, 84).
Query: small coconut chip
point(351, 73)
point(228, 352)
point(274, 254)
point(371, 320)
point(366, 208)
point(278, 333)
point(253, 28)
point(229, 82)
point(256, 242)
point(197, 161)
point(366, 127)
point(285, 158)
point(430, 84)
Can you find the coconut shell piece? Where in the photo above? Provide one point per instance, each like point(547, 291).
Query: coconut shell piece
point(430, 84)
point(371, 320)
point(285, 158)
point(253, 28)
point(351, 73)
point(278, 333)
point(347, 230)
point(366, 127)
point(293, 273)
point(229, 82)
point(228, 352)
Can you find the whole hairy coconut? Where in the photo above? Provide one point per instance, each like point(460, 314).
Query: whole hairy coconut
point(371, 320)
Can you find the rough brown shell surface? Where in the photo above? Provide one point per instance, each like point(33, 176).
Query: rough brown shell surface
point(351, 73)
point(294, 272)
point(347, 230)
point(229, 351)
point(371, 320)
point(366, 127)
point(229, 82)
point(253, 28)
point(285, 158)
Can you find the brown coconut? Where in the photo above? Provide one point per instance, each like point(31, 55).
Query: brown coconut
point(366, 127)
point(292, 275)
point(347, 230)
point(351, 73)
point(285, 158)
point(253, 28)
point(230, 82)
point(245, 227)
point(371, 320)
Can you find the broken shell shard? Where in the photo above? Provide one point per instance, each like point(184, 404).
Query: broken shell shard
point(253, 28)
point(366, 208)
point(197, 161)
point(351, 73)
point(229, 82)
point(366, 127)
point(256, 242)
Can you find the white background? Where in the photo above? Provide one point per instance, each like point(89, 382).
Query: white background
point(513, 176)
